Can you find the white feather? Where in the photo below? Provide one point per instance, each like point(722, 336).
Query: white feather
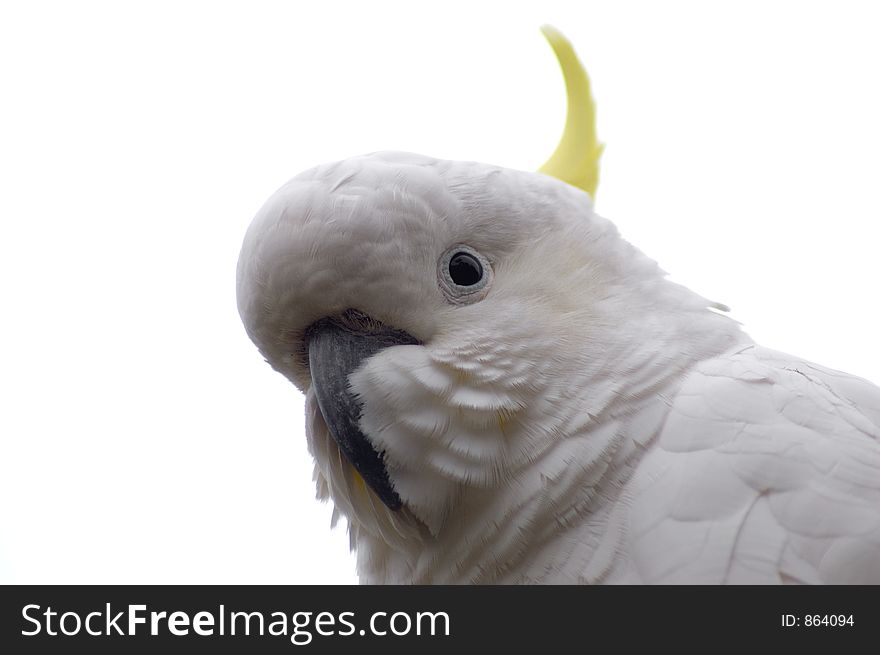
point(765, 471)
point(585, 421)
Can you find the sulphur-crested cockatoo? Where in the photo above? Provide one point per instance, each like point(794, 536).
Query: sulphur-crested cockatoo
point(500, 389)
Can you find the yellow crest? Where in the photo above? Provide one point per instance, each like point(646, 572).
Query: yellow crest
point(576, 158)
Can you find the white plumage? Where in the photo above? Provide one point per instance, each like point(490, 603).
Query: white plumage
point(766, 469)
point(583, 420)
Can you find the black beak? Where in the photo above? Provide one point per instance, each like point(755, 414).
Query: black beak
point(337, 346)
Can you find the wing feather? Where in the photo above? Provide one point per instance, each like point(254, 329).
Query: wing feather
point(767, 469)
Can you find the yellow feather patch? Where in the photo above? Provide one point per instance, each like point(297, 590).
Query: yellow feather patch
point(360, 484)
point(503, 420)
point(576, 158)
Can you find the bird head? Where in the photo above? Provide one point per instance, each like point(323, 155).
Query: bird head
point(449, 322)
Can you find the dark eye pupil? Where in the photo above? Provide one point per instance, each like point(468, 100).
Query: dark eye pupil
point(465, 269)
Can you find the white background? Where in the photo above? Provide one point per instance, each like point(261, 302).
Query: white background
point(144, 439)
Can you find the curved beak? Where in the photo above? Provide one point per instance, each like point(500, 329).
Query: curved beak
point(337, 346)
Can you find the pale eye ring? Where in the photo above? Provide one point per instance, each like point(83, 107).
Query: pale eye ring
point(464, 274)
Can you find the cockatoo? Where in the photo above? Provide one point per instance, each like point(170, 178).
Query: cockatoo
point(501, 389)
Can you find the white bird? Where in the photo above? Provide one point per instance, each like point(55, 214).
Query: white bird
point(500, 389)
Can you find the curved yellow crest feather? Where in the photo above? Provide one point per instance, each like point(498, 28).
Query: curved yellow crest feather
point(576, 158)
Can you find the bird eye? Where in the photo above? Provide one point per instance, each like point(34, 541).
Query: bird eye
point(465, 270)
point(464, 274)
